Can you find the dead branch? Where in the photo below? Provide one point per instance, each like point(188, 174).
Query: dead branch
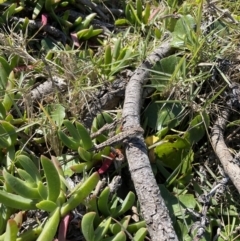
point(153, 208)
point(48, 87)
point(36, 25)
point(217, 137)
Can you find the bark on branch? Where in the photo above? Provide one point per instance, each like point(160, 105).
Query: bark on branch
point(152, 204)
point(230, 167)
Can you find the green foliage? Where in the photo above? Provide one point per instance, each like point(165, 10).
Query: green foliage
point(32, 193)
point(83, 28)
point(87, 227)
point(135, 16)
point(79, 136)
point(168, 71)
point(173, 150)
point(162, 116)
point(8, 135)
point(11, 230)
point(107, 230)
point(110, 207)
point(79, 194)
point(100, 121)
point(197, 128)
point(116, 58)
point(183, 33)
point(80, 27)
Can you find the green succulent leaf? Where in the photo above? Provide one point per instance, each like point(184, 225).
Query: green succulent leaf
point(19, 218)
point(52, 178)
point(146, 13)
point(86, 22)
point(128, 13)
point(107, 60)
point(125, 206)
point(9, 11)
point(85, 136)
point(87, 226)
point(11, 230)
point(95, 32)
point(133, 228)
point(8, 135)
point(30, 234)
point(102, 229)
point(80, 194)
point(2, 112)
point(123, 224)
point(47, 205)
point(139, 9)
point(29, 167)
point(85, 155)
point(114, 205)
point(121, 21)
point(81, 33)
point(42, 190)
point(68, 141)
point(77, 22)
point(103, 203)
point(121, 236)
point(79, 168)
point(20, 187)
point(9, 92)
point(72, 130)
point(140, 234)
point(101, 120)
point(38, 7)
point(88, 34)
point(117, 48)
point(16, 201)
point(134, 15)
point(27, 177)
point(5, 70)
point(50, 228)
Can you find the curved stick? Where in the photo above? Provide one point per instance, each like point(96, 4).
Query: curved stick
point(152, 204)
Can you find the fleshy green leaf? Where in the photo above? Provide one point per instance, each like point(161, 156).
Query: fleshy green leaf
point(20, 187)
point(87, 226)
point(29, 167)
point(140, 234)
point(68, 141)
point(8, 133)
point(72, 130)
point(80, 194)
point(50, 228)
point(47, 205)
point(85, 136)
point(52, 178)
point(11, 231)
point(102, 229)
point(85, 155)
point(16, 201)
